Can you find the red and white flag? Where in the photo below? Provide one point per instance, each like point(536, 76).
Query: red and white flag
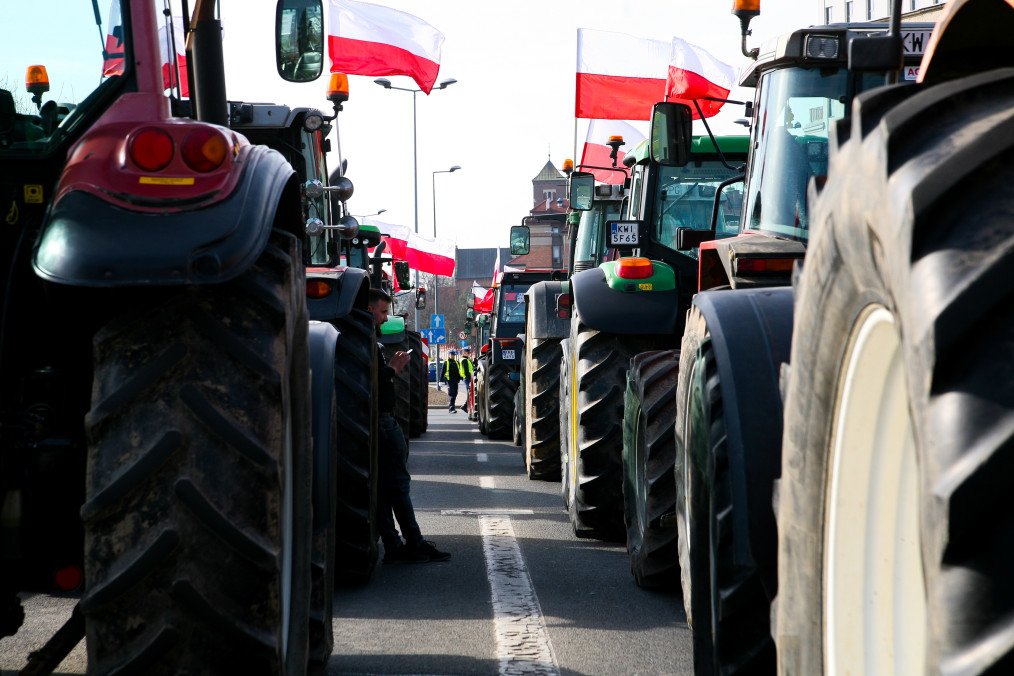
point(113, 62)
point(482, 299)
point(695, 74)
point(619, 76)
point(435, 256)
point(167, 38)
point(496, 268)
point(596, 152)
point(367, 39)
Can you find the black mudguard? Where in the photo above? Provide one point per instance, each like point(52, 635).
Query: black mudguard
point(751, 333)
point(323, 346)
point(352, 288)
point(642, 313)
point(541, 304)
point(86, 241)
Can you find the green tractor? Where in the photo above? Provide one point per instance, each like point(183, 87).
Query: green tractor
point(735, 350)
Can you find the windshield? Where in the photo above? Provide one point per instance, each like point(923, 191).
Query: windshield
point(685, 198)
point(797, 110)
point(590, 239)
point(54, 58)
point(512, 302)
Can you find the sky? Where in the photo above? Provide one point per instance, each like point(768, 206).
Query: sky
point(511, 110)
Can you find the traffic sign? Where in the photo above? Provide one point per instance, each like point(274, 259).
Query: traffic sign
point(437, 322)
point(434, 336)
point(462, 335)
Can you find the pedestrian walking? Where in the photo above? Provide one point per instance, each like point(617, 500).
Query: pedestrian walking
point(393, 487)
point(468, 367)
point(454, 373)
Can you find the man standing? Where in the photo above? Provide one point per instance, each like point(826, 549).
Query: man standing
point(453, 374)
point(393, 499)
point(468, 368)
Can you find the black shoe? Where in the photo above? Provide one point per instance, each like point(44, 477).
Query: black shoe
point(431, 553)
point(405, 555)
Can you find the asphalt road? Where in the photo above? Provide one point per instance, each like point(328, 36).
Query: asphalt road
point(520, 594)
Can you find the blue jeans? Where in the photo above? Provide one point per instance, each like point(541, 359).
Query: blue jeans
point(393, 499)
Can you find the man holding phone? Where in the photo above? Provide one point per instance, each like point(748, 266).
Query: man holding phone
point(393, 498)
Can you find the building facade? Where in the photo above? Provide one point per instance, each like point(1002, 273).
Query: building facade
point(847, 11)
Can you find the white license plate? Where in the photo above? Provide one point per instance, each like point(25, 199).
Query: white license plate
point(623, 233)
point(508, 354)
point(915, 42)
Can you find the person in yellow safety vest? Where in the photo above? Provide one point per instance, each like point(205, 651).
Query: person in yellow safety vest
point(453, 374)
point(469, 368)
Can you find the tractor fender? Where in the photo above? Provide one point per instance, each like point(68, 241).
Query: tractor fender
point(541, 303)
point(87, 241)
point(323, 340)
point(617, 312)
point(352, 287)
point(751, 334)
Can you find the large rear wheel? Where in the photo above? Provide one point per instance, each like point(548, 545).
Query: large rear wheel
point(197, 518)
point(649, 457)
point(895, 517)
point(542, 408)
point(725, 602)
point(356, 392)
point(419, 421)
point(500, 391)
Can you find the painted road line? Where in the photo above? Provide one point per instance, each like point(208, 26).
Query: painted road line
point(481, 512)
point(486, 482)
point(481, 457)
point(522, 641)
point(478, 441)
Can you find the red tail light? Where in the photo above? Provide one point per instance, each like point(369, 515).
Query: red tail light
point(634, 268)
point(317, 288)
point(69, 578)
point(204, 149)
point(151, 149)
point(747, 266)
point(563, 303)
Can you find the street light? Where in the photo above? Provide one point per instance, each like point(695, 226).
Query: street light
point(386, 84)
point(436, 278)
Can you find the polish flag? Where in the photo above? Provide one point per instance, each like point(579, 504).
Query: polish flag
point(435, 256)
point(695, 74)
point(596, 152)
point(619, 76)
point(396, 237)
point(496, 268)
point(167, 37)
point(482, 299)
point(367, 39)
point(113, 63)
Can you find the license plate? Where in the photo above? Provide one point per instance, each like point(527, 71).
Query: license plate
point(624, 234)
point(509, 354)
point(915, 42)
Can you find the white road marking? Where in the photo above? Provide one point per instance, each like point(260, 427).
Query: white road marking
point(522, 641)
point(480, 512)
point(486, 482)
point(481, 457)
point(478, 441)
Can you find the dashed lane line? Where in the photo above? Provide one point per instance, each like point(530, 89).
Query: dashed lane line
point(487, 482)
point(481, 457)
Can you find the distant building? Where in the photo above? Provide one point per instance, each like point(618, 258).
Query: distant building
point(846, 11)
point(547, 221)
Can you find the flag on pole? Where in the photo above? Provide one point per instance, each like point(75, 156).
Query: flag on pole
point(172, 41)
point(695, 74)
point(368, 39)
point(496, 268)
point(596, 152)
point(396, 237)
point(435, 256)
point(619, 76)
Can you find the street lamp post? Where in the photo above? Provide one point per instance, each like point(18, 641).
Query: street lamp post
point(386, 84)
point(436, 278)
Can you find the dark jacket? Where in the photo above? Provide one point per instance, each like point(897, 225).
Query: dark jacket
point(385, 383)
point(455, 374)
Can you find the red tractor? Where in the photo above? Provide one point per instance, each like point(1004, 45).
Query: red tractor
point(155, 410)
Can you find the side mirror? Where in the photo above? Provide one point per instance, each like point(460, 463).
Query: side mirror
point(689, 238)
point(521, 240)
point(420, 298)
point(876, 53)
point(401, 274)
point(582, 190)
point(299, 39)
point(671, 134)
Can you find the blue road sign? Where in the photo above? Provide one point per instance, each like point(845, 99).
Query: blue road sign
point(437, 322)
point(464, 343)
point(434, 336)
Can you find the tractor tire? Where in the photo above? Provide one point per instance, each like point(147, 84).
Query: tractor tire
point(402, 389)
point(518, 427)
point(725, 603)
point(481, 400)
point(542, 409)
point(567, 484)
point(900, 402)
point(599, 363)
point(500, 389)
point(322, 557)
point(198, 511)
point(420, 402)
point(649, 459)
point(356, 393)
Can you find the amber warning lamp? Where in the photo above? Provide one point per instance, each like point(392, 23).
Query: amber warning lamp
point(338, 90)
point(615, 142)
point(568, 167)
point(37, 83)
